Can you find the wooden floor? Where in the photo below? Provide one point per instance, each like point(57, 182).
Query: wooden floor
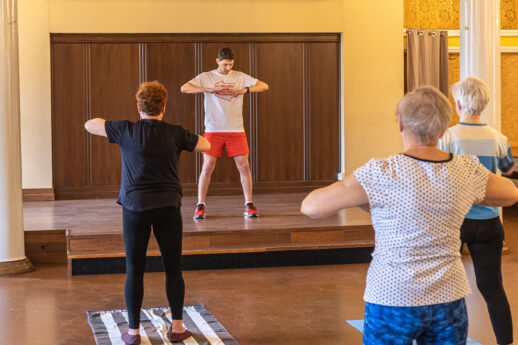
point(266, 306)
point(93, 228)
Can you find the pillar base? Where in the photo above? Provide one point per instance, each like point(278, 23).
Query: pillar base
point(14, 267)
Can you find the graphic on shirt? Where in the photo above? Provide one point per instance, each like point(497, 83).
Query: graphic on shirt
point(225, 94)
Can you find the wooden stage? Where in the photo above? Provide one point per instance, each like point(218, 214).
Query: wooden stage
point(82, 230)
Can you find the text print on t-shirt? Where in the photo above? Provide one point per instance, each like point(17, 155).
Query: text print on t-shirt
point(225, 94)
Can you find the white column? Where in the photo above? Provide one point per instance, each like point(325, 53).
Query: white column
point(12, 251)
point(480, 50)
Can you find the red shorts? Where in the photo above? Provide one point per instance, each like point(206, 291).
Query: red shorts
point(235, 143)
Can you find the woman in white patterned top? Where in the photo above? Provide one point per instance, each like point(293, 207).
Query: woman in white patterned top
point(416, 283)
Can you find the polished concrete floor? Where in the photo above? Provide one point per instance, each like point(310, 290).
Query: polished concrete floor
point(274, 306)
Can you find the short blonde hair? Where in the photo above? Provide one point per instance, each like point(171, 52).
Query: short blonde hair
point(425, 113)
point(472, 93)
point(151, 96)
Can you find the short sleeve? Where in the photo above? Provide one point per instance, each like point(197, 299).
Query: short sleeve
point(198, 81)
point(115, 129)
point(506, 162)
point(369, 176)
point(185, 139)
point(478, 179)
point(249, 81)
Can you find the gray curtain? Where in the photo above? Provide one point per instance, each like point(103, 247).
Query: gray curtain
point(427, 59)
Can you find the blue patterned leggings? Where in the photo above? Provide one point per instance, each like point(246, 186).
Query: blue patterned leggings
point(437, 324)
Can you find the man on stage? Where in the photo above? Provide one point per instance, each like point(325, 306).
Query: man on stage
point(224, 89)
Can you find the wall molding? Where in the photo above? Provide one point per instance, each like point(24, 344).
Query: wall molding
point(503, 49)
point(456, 33)
point(38, 194)
point(193, 37)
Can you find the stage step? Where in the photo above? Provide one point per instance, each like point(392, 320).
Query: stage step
point(93, 241)
point(88, 249)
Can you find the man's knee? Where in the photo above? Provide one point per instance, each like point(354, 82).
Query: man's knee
point(208, 167)
point(242, 165)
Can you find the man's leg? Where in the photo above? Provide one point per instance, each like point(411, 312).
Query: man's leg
point(209, 163)
point(246, 176)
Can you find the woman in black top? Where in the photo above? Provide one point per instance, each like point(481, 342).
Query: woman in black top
point(150, 195)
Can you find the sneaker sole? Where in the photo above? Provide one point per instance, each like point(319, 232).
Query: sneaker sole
point(198, 217)
point(250, 215)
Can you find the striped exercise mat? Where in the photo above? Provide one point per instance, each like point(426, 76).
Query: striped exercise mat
point(108, 325)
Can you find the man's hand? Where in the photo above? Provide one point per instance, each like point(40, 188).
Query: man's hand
point(236, 92)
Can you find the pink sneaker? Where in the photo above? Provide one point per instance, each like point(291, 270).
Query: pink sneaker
point(177, 337)
point(131, 339)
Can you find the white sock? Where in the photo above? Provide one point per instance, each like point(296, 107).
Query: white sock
point(248, 202)
point(200, 203)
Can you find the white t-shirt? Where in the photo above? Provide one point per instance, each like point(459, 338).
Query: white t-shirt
point(223, 111)
point(417, 209)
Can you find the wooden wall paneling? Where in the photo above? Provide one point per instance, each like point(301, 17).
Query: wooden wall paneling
point(69, 139)
point(173, 64)
point(280, 112)
point(98, 75)
point(114, 81)
point(226, 170)
point(324, 110)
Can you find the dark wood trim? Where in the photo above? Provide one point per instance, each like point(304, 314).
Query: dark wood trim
point(198, 105)
point(253, 116)
point(190, 189)
point(306, 122)
point(38, 194)
point(193, 37)
point(46, 246)
point(88, 107)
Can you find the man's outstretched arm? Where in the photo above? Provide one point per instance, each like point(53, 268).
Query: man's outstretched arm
point(260, 86)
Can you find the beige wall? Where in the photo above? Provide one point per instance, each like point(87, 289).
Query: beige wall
point(372, 66)
point(34, 56)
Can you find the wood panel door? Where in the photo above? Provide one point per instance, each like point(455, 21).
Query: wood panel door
point(292, 129)
point(280, 117)
point(70, 150)
point(172, 64)
point(114, 79)
point(323, 126)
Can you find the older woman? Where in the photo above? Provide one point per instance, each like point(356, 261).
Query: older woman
point(482, 229)
point(150, 196)
point(416, 282)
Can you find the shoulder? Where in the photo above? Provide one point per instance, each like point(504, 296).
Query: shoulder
point(171, 126)
point(119, 123)
point(451, 131)
point(239, 74)
point(378, 166)
point(207, 74)
point(467, 162)
point(497, 134)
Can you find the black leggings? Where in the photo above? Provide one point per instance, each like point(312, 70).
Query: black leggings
point(484, 238)
point(167, 227)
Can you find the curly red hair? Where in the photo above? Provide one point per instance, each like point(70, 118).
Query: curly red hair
point(151, 97)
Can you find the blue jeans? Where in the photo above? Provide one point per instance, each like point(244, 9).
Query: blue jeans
point(437, 324)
